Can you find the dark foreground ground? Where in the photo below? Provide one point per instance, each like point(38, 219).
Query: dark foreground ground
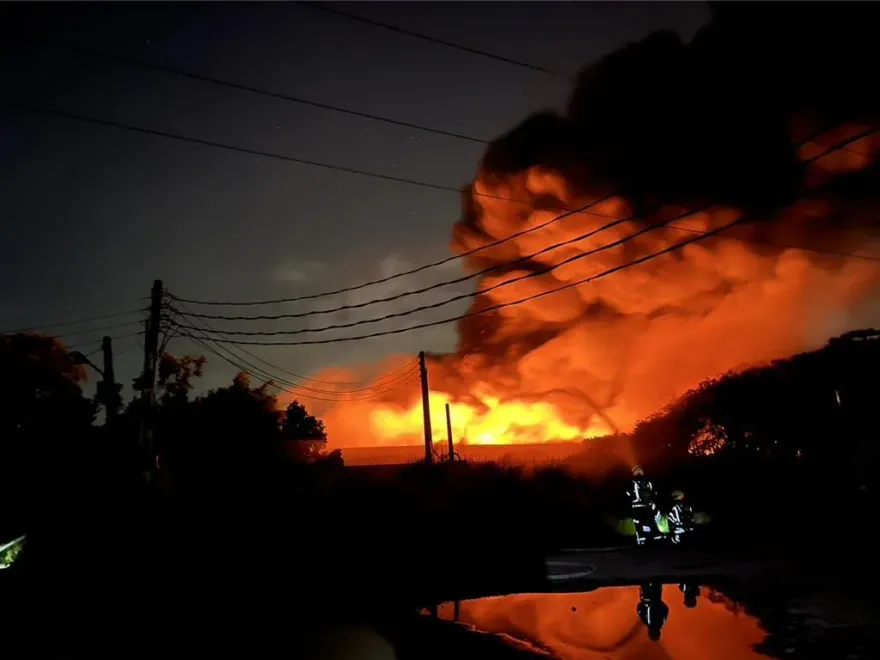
point(264, 595)
point(250, 575)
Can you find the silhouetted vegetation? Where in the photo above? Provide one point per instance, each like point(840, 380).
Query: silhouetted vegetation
point(814, 408)
point(249, 492)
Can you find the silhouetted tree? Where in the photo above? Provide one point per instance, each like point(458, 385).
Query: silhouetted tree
point(175, 376)
point(46, 433)
point(229, 437)
point(304, 433)
point(40, 388)
point(814, 407)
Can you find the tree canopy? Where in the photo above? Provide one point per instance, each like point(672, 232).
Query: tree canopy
point(814, 406)
point(40, 390)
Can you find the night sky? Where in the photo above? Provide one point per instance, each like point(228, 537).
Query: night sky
point(91, 215)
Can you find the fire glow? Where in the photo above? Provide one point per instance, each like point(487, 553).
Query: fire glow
point(494, 423)
point(597, 357)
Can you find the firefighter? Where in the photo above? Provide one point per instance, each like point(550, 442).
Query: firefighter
point(681, 517)
point(691, 592)
point(642, 490)
point(651, 609)
point(644, 509)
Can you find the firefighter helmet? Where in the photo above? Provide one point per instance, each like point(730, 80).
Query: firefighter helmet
point(637, 471)
point(677, 495)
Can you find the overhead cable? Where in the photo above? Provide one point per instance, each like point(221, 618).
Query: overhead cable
point(592, 278)
point(393, 379)
point(582, 209)
point(277, 95)
point(412, 271)
point(530, 274)
point(206, 327)
point(245, 150)
point(92, 341)
point(223, 353)
point(62, 324)
point(99, 329)
point(331, 8)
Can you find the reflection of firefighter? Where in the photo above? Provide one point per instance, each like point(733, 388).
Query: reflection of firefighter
point(691, 592)
point(681, 517)
point(651, 608)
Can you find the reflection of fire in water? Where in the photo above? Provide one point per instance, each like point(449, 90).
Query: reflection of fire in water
point(604, 624)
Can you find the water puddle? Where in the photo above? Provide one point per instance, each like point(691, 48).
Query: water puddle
point(609, 623)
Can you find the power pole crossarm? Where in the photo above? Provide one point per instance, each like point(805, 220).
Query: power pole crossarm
point(426, 409)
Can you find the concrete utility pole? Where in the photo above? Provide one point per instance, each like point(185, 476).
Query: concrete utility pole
point(450, 449)
point(148, 392)
point(426, 409)
point(111, 393)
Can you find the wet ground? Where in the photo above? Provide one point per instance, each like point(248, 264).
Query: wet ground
point(604, 624)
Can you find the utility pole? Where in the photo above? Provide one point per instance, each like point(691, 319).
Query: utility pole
point(148, 391)
point(450, 449)
point(111, 393)
point(426, 409)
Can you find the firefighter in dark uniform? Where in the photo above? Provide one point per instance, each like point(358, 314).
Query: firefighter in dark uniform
point(681, 517)
point(644, 507)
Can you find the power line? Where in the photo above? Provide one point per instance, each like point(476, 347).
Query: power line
point(332, 9)
point(474, 294)
point(583, 209)
point(567, 213)
point(385, 383)
point(100, 329)
point(210, 344)
point(92, 341)
point(278, 95)
point(269, 380)
point(787, 246)
point(425, 289)
point(256, 152)
point(61, 324)
point(434, 264)
point(374, 381)
point(480, 312)
point(492, 308)
point(453, 299)
point(464, 296)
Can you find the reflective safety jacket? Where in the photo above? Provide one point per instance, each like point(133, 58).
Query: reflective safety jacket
point(641, 493)
point(681, 517)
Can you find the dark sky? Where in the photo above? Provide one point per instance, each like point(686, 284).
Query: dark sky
point(91, 215)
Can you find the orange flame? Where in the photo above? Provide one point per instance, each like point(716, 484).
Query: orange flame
point(495, 422)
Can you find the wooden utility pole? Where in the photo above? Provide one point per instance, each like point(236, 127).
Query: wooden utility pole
point(148, 391)
point(451, 456)
point(111, 392)
point(426, 409)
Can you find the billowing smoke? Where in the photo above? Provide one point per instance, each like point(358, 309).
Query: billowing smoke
point(729, 122)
